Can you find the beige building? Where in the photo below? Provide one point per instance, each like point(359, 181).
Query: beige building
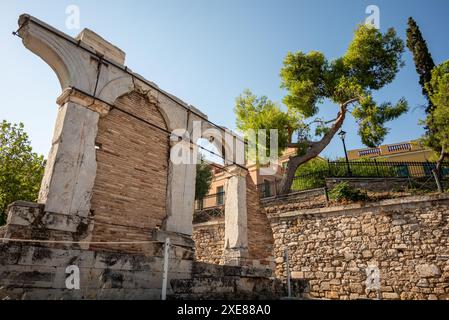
point(215, 198)
point(409, 151)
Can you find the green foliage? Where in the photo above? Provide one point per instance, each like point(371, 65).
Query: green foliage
point(363, 167)
point(371, 61)
point(371, 118)
point(344, 192)
point(424, 65)
point(255, 113)
point(438, 120)
point(21, 170)
point(423, 59)
point(204, 177)
point(310, 175)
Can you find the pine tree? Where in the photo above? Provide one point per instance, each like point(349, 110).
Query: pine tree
point(422, 57)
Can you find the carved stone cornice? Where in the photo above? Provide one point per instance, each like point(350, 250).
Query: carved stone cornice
point(235, 170)
point(77, 97)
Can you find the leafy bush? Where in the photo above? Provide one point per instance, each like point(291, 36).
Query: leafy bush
point(204, 176)
point(310, 175)
point(364, 167)
point(21, 169)
point(344, 192)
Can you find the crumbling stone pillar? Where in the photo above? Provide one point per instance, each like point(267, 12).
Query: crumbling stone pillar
point(69, 176)
point(236, 231)
point(180, 196)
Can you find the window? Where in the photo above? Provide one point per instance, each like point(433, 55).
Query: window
point(200, 204)
point(220, 196)
point(368, 152)
point(399, 147)
point(266, 189)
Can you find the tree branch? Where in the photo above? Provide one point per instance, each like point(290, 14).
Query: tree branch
point(314, 148)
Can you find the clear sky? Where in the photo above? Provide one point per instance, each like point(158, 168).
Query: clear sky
point(208, 51)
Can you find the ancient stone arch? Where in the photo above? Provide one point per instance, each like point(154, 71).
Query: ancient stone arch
point(94, 80)
point(96, 185)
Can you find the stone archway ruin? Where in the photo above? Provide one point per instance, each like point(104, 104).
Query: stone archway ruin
point(92, 74)
point(109, 184)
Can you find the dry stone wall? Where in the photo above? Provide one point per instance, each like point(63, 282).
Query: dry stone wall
point(209, 241)
point(406, 239)
point(335, 249)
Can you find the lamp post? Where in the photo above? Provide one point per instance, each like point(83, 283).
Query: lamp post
point(342, 135)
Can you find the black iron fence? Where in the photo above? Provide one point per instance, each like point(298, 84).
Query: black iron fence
point(417, 171)
point(356, 169)
point(383, 169)
point(215, 200)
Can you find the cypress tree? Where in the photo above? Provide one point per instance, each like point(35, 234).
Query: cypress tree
point(422, 57)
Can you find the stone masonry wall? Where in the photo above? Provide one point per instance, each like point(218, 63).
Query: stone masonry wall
point(407, 239)
point(299, 201)
point(130, 188)
point(209, 241)
point(39, 272)
point(209, 236)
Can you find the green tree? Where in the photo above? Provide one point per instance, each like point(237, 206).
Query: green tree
point(371, 62)
point(204, 177)
point(21, 170)
point(438, 120)
point(311, 175)
point(259, 112)
point(424, 65)
point(423, 59)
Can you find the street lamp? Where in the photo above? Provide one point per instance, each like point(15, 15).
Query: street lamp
point(342, 135)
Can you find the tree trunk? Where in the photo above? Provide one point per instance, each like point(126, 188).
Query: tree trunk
point(315, 148)
point(443, 155)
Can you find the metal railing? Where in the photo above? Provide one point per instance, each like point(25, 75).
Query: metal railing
point(356, 169)
point(210, 201)
point(383, 169)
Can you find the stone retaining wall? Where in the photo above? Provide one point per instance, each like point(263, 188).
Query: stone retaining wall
point(405, 240)
point(209, 240)
point(40, 273)
point(37, 272)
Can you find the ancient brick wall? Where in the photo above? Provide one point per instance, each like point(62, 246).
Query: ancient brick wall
point(407, 239)
point(209, 236)
point(260, 236)
point(129, 196)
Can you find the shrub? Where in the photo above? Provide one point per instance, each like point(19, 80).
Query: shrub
point(310, 175)
point(344, 192)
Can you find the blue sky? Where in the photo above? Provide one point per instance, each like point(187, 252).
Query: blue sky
point(207, 52)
